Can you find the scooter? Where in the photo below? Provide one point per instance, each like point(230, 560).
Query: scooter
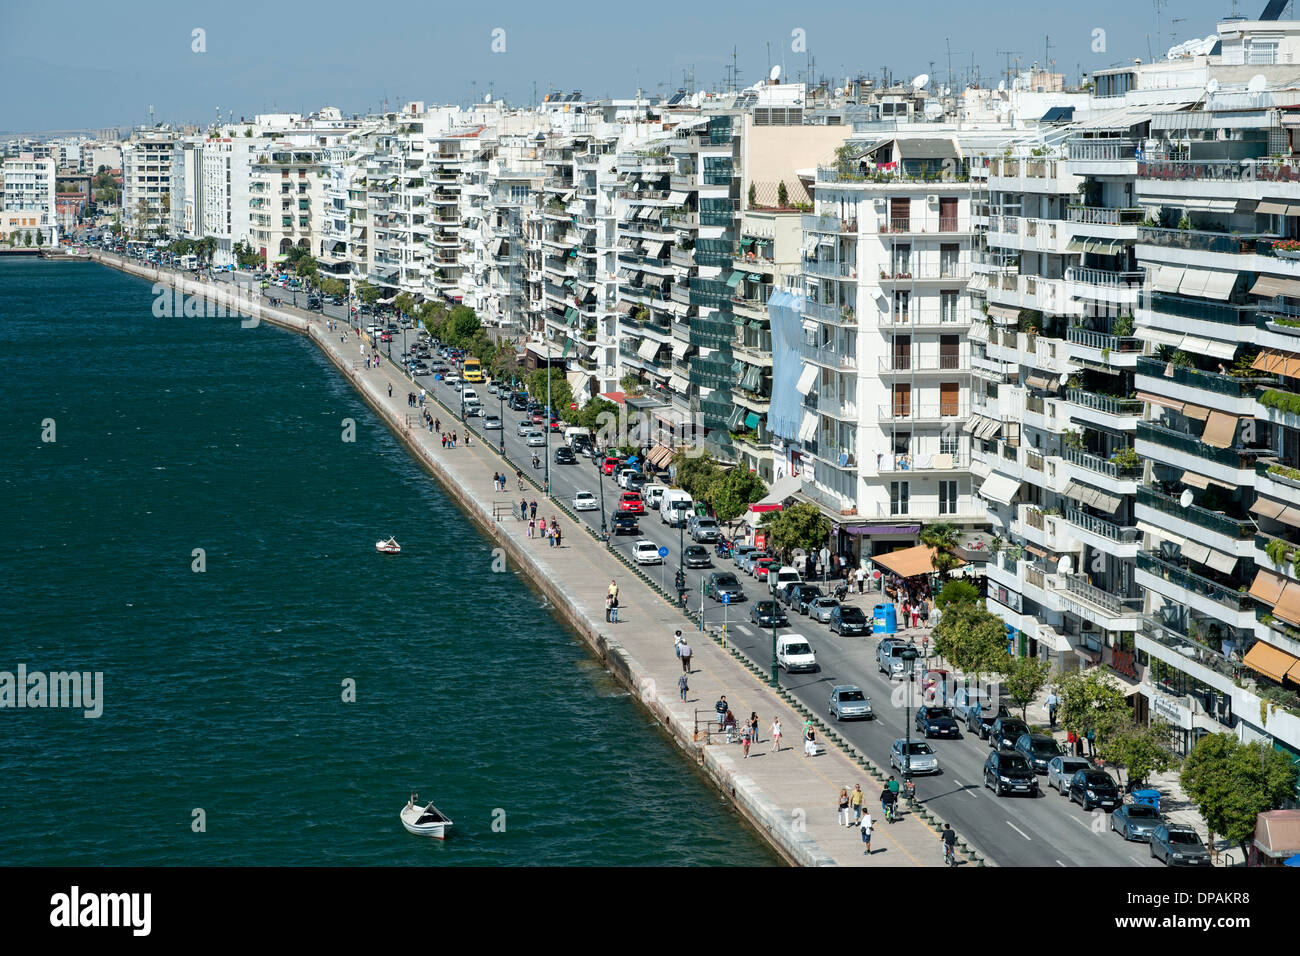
point(841, 591)
point(537, 462)
point(723, 549)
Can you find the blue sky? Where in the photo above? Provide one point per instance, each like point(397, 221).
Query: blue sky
point(76, 64)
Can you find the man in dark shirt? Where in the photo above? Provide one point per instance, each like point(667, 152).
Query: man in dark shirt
point(722, 707)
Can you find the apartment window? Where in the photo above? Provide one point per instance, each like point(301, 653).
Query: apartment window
point(947, 497)
point(902, 442)
point(949, 352)
point(902, 352)
point(902, 304)
point(949, 441)
point(902, 400)
point(948, 214)
point(900, 215)
point(902, 259)
point(900, 493)
point(949, 257)
point(949, 398)
point(948, 306)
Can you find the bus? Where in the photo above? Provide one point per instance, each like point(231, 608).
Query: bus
point(472, 370)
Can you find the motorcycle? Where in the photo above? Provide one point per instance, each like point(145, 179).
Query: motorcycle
point(723, 549)
point(841, 591)
point(537, 462)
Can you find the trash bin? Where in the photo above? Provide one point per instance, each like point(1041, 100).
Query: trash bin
point(884, 619)
point(1147, 798)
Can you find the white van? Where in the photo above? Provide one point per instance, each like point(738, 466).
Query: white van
point(675, 508)
point(469, 396)
point(787, 575)
point(573, 432)
point(653, 495)
point(794, 653)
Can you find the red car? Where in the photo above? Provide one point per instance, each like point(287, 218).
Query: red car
point(610, 465)
point(386, 337)
point(630, 501)
point(556, 425)
point(760, 568)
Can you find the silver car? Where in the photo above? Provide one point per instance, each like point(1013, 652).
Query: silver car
point(1061, 770)
point(922, 756)
point(820, 609)
point(848, 702)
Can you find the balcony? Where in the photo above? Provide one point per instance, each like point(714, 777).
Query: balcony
point(832, 314)
point(1206, 381)
point(920, 414)
point(1236, 458)
point(828, 356)
point(1100, 527)
point(924, 464)
point(1101, 341)
point(1114, 605)
point(927, 272)
point(1101, 150)
point(1237, 529)
point(1223, 313)
point(1107, 404)
point(829, 269)
point(1194, 240)
point(1106, 216)
point(1101, 466)
point(904, 362)
point(1234, 600)
point(1104, 284)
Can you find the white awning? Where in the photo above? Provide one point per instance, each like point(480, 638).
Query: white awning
point(808, 427)
point(648, 349)
point(1221, 561)
point(806, 379)
point(1200, 346)
point(999, 488)
point(1167, 279)
point(1161, 337)
point(979, 281)
point(676, 198)
point(979, 332)
point(1195, 551)
point(678, 384)
point(680, 347)
point(577, 381)
point(1219, 284)
point(1193, 282)
point(1093, 497)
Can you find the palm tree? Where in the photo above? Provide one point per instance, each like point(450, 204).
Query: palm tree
point(943, 537)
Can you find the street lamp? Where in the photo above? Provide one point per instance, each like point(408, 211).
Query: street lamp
point(771, 583)
point(600, 480)
point(501, 417)
point(546, 419)
point(909, 656)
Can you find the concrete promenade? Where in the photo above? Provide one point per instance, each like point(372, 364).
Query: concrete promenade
point(789, 798)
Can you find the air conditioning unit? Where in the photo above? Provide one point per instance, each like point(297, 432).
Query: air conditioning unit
point(932, 200)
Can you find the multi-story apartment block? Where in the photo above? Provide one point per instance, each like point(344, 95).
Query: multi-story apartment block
point(146, 181)
point(29, 198)
point(286, 198)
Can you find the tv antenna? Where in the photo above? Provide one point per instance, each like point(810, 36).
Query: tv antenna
point(1008, 54)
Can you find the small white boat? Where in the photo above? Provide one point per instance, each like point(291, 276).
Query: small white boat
point(388, 547)
point(424, 821)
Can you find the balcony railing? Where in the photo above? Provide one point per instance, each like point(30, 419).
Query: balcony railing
point(1228, 597)
point(1101, 149)
point(1240, 529)
point(1101, 527)
point(1105, 216)
point(915, 412)
point(1101, 340)
point(904, 362)
point(1101, 466)
point(1118, 606)
point(829, 268)
point(1195, 378)
point(1191, 445)
point(1123, 407)
point(1225, 313)
point(1198, 241)
point(1104, 277)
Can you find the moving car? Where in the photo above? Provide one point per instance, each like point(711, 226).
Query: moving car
point(610, 464)
point(917, 753)
point(646, 552)
point(625, 524)
point(631, 502)
point(978, 713)
point(740, 551)
point(762, 611)
point(1135, 821)
point(889, 658)
point(724, 582)
point(697, 556)
point(847, 619)
point(1005, 732)
point(535, 439)
point(1006, 771)
point(703, 529)
point(1061, 770)
point(802, 595)
point(585, 501)
point(1093, 788)
point(491, 423)
point(1178, 845)
point(821, 608)
point(523, 428)
point(564, 456)
point(794, 653)
point(1038, 749)
point(936, 722)
point(760, 568)
point(848, 702)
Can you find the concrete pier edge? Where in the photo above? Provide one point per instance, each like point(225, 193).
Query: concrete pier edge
point(767, 819)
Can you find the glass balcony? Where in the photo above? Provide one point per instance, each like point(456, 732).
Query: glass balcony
point(1105, 216)
point(1101, 466)
point(1190, 444)
point(1222, 312)
point(1117, 605)
point(1198, 241)
point(1202, 517)
point(1228, 597)
point(1195, 378)
point(1101, 340)
point(1101, 149)
point(1105, 403)
point(1101, 527)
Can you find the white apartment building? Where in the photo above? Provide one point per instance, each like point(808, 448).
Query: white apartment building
point(227, 205)
point(29, 198)
point(286, 198)
point(146, 181)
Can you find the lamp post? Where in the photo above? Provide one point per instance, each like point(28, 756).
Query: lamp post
point(771, 583)
point(600, 480)
point(546, 418)
point(501, 417)
point(909, 656)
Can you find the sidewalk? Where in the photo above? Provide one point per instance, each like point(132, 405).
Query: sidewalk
point(789, 798)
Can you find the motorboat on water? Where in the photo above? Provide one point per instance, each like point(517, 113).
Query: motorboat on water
point(424, 821)
point(388, 547)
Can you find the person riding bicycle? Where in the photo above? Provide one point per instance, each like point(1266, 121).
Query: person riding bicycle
point(537, 462)
point(949, 837)
point(888, 803)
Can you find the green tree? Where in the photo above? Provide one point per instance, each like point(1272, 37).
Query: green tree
point(1142, 751)
point(753, 196)
point(1090, 700)
point(972, 639)
point(943, 537)
point(459, 327)
point(1232, 782)
point(404, 303)
point(505, 365)
point(561, 393)
point(1023, 681)
point(695, 475)
point(141, 217)
point(369, 294)
point(956, 591)
point(27, 238)
point(333, 287)
point(800, 527)
point(733, 493)
point(40, 237)
point(782, 194)
point(245, 255)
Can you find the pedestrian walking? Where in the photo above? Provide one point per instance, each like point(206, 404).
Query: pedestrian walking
point(753, 724)
point(444, 442)
point(746, 737)
point(682, 687)
point(613, 589)
point(862, 578)
point(1052, 703)
point(721, 708)
point(532, 526)
point(1092, 742)
point(532, 507)
point(541, 527)
point(437, 424)
point(865, 826)
point(677, 643)
point(613, 609)
point(809, 741)
point(496, 479)
point(686, 657)
point(559, 540)
point(390, 389)
point(454, 439)
point(523, 510)
point(776, 735)
point(422, 396)
point(609, 608)
point(855, 799)
point(843, 818)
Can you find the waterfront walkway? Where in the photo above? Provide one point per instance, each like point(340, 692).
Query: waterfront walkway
point(790, 798)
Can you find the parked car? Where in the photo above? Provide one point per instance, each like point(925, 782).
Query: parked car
point(918, 753)
point(821, 609)
point(889, 658)
point(1135, 821)
point(748, 559)
point(1006, 771)
point(585, 501)
point(623, 475)
point(491, 423)
point(609, 464)
point(1005, 732)
point(848, 702)
point(704, 530)
point(762, 611)
point(630, 502)
point(724, 582)
point(794, 653)
point(646, 552)
point(1178, 845)
point(739, 552)
point(1061, 770)
point(761, 568)
point(847, 619)
point(1038, 749)
point(564, 456)
point(977, 713)
point(1094, 787)
point(803, 595)
point(697, 556)
point(936, 722)
point(625, 524)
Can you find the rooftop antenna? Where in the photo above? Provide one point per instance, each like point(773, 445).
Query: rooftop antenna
point(1008, 54)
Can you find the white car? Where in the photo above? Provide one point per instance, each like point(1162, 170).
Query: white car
point(794, 653)
point(535, 439)
point(646, 552)
point(585, 501)
point(922, 758)
point(624, 475)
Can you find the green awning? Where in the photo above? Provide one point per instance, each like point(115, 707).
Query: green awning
point(751, 420)
point(737, 367)
point(738, 320)
point(756, 323)
point(734, 279)
point(734, 419)
point(568, 343)
point(571, 315)
point(569, 283)
point(746, 243)
point(749, 381)
point(1076, 245)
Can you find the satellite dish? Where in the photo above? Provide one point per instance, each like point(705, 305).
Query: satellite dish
point(1186, 498)
point(947, 91)
point(695, 100)
point(1257, 83)
point(1212, 86)
point(918, 83)
point(487, 97)
point(1065, 378)
point(839, 91)
point(1065, 566)
point(774, 73)
point(1002, 86)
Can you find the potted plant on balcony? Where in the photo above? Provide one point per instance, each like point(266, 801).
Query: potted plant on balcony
point(1287, 248)
point(1073, 438)
point(1126, 458)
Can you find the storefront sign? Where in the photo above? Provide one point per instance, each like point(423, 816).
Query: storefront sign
point(1176, 714)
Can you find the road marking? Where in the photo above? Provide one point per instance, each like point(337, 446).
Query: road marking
point(1018, 830)
point(1059, 863)
point(1082, 824)
point(1135, 859)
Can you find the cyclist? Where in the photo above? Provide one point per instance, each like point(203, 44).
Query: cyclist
point(949, 838)
point(909, 792)
point(888, 803)
point(893, 786)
